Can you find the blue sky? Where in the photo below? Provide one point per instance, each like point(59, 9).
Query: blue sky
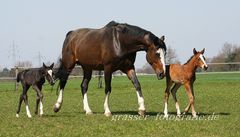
point(41, 26)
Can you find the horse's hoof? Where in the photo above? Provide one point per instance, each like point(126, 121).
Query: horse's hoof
point(55, 109)
point(165, 116)
point(141, 113)
point(195, 116)
point(89, 113)
point(109, 114)
point(17, 115)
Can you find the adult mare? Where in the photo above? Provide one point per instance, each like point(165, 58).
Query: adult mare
point(110, 48)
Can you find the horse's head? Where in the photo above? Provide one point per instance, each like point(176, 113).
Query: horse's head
point(48, 73)
point(200, 59)
point(156, 55)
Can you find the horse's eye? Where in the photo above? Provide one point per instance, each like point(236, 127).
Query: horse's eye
point(158, 54)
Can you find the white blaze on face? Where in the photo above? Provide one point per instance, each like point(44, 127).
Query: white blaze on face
point(202, 59)
point(162, 57)
point(50, 72)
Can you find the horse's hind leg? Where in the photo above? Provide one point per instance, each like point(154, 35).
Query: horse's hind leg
point(63, 74)
point(108, 79)
point(22, 96)
point(84, 87)
point(166, 97)
point(174, 91)
point(25, 98)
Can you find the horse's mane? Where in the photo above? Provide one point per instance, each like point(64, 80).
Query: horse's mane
point(133, 30)
point(189, 60)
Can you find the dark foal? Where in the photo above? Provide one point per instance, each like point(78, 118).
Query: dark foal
point(35, 78)
point(183, 75)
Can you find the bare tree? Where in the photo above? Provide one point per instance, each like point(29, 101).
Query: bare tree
point(228, 53)
point(171, 56)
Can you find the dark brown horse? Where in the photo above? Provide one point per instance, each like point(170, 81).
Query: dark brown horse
point(110, 48)
point(183, 75)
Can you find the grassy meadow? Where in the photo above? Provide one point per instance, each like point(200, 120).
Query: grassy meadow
point(217, 103)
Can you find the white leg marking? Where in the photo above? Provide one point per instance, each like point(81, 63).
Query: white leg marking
point(106, 107)
point(28, 112)
point(85, 104)
point(140, 102)
point(166, 110)
point(41, 108)
point(17, 115)
point(178, 109)
point(60, 99)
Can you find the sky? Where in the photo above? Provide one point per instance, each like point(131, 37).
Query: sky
point(37, 28)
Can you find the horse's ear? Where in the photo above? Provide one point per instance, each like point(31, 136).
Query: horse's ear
point(194, 51)
point(52, 66)
point(44, 65)
point(203, 50)
point(162, 38)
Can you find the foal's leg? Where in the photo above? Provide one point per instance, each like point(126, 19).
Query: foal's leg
point(191, 99)
point(166, 96)
point(174, 91)
point(22, 96)
point(132, 76)
point(39, 99)
point(84, 87)
point(25, 98)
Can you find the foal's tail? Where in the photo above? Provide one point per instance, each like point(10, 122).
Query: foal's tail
point(19, 76)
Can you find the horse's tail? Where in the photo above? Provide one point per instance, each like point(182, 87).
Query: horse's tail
point(19, 76)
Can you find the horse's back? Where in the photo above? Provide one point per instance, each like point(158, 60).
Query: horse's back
point(175, 72)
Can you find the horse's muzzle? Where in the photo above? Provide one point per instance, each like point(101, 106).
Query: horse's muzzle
point(205, 68)
point(160, 76)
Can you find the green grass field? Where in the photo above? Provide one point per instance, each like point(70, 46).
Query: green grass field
point(217, 101)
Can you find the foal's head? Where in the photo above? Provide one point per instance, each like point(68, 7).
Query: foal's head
point(200, 59)
point(156, 56)
point(48, 73)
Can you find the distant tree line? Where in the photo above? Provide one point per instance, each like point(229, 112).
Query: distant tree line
point(230, 53)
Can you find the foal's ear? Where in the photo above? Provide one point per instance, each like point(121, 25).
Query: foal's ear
point(194, 51)
point(162, 38)
point(44, 65)
point(203, 50)
point(51, 67)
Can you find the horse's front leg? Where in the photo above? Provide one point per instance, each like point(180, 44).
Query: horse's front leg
point(191, 99)
point(39, 99)
point(84, 87)
point(132, 76)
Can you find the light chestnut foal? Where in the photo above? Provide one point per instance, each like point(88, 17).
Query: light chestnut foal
point(178, 75)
